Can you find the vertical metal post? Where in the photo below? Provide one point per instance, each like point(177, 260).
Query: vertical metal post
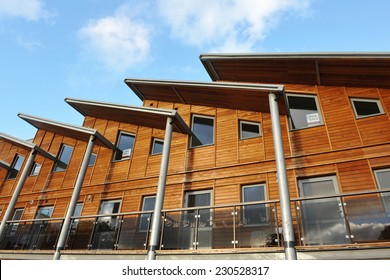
point(17, 191)
point(287, 225)
point(156, 221)
point(74, 198)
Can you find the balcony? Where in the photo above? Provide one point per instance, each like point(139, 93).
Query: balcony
point(354, 225)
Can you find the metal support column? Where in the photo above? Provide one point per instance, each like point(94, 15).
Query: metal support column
point(287, 225)
point(156, 221)
point(18, 189)
point(73, 201)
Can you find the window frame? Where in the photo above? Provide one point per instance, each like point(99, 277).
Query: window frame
point(290, 119)
point(258, 124)
point(386, 206)
point(12, 167)
point(117, 143)
point(266, 206)
point(36, 166)
point(94, 157)
point(192, 130)
point(60, 153)
point(146, 217)
point(154, 140)
point(368, 100)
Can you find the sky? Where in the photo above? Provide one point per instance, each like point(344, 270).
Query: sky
point(54, 49)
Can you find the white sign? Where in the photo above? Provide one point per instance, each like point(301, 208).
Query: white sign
point(126, 153)
point(313, 119)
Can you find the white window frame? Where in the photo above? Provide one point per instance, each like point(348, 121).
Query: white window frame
point(315, 97)
point(243, 187)
point(35, 169)
point(241, 122)
point(386, 195)
point(153, 145)
point(368, 100)
point(192, 127)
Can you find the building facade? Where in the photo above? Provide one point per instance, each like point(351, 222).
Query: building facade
point(198, 172)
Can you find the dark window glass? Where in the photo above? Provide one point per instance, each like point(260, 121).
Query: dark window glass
point(249, 130)
point(365, 108)
point(148, 205)
point(125, 145)
point(15, 167)
point(63, 158)
point(157, 146)
point(303, 111)
point(203, 128)
point(254, 214)
point(92, 160)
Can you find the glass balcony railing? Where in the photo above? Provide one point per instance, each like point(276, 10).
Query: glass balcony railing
point(318, 221)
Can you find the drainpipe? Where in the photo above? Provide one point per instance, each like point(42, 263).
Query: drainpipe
point(287, 225)
point(18, 189)
point(156, 220)
point(73, 201)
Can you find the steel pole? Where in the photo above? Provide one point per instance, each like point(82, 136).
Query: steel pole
point(18, 189)
point(287, 225)
point(73, 201)
point(156, 220)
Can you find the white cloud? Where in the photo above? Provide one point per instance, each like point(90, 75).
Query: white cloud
point(118, 41)
point(30, 45)
point(29, 9)
point(225, 25)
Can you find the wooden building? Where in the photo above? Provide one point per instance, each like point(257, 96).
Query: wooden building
point(198, 172)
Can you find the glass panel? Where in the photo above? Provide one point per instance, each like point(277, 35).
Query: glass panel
point(35, 169)
point(323, 221)
point(223, 228)
point(92, 160)
point(365, 108)
point(145, 219)
point(203, 129)
point(254, 214)
point(249, 130)
point(303, 111)
point(106, 227)
point(125, 146)
point(130, 237)
point(80, 238)
point(15, 167)
point(367, 219)
point(383, 179)
point(38, 229)
point(157, 147)
point(179, 232)
point(9, 241)
point(64, 158)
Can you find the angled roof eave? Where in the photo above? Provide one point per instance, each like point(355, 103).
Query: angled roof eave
point(68, 130)
point(26, 145)
point(129, 114)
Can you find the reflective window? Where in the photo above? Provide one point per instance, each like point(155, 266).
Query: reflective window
point(157, 146)
point(124, 146)
point(147, 205)
point(383, 180)
point(92, 160)
point(203, 129)
point(35, 169)
point(303, 111)
point(366, 107)
point(254, 214)
point(249, 130)
point(63, 158)
point(15, 167)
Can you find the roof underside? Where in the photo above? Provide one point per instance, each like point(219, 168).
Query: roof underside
point(238, 96)
point(332, 69)
point(142, 116)
point(4, 165)
point(67, 130)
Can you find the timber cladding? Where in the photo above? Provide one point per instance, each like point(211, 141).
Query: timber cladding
point(343, 146)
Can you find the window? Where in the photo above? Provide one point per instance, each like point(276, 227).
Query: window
point(44, 212)
point(17, 216)
point(147, 205)
point(303, 111)
point(383, 179)
point(35, 169)
point(203, 129)
point(366, 107)
point(63, 158)
point(15, 167)
point(124, 146)
point(157, 146)
point(254, 214)
point(249, 130)
point(92, 160)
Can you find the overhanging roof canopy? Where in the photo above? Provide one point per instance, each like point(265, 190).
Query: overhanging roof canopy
point(4, 164)
point(142, 116)
point(241, 96)
point(26, 145)
point(68, 130)
point(327, 69)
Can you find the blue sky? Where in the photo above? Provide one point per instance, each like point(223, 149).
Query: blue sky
point(53, 49)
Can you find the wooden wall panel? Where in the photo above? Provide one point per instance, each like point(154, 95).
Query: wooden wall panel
point(375, 129)
point(355, 176)
point(227, 137)
point(339, 118)
point(310, 140)
point(139, 158)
